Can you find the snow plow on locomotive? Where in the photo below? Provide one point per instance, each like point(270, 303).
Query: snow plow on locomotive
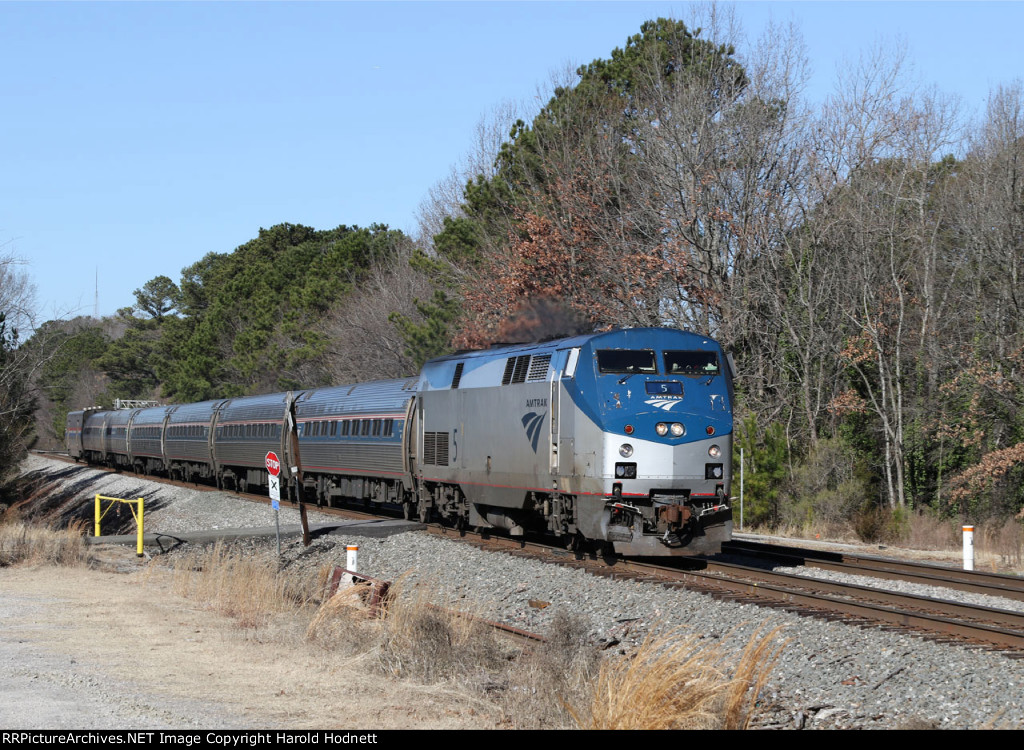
point(622, 438)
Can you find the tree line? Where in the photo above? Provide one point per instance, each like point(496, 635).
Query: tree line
point(860, 257)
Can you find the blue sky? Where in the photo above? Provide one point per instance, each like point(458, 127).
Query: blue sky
point(137, 137)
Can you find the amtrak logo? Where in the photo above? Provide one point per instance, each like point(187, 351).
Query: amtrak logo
point(532, 422)
point(662, 403)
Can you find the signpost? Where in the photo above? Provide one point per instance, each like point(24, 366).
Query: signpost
point(273, 464)
point(274, 470)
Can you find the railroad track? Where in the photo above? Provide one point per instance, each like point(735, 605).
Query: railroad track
point(972, 581)
point(934, 618)
point(939, 619)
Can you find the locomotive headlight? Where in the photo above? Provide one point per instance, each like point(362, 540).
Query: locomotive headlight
point(625, 450)
point(714, 451)
point(677, 429)
point(661, 428)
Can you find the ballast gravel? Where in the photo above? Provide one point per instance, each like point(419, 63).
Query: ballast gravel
point(829, 674)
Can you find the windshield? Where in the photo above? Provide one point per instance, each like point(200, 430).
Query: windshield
point(626, 361)
point(692, 363)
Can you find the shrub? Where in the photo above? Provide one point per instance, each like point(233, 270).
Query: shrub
point(881, 525)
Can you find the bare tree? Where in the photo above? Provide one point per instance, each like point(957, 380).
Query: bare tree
point(981, 401)
point(991, 215)
point(363, 343)
point(17, 363)
point(879, 145)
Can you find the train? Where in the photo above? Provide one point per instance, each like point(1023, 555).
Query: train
point(620, 439)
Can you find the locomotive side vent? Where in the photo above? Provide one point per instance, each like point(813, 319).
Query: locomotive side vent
point(430, 447)
point(522, 365)
point(435, 448)
point(539, 367)
point(457, 378)
point(515, 369)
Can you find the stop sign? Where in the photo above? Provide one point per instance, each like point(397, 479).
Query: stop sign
point(273, 464)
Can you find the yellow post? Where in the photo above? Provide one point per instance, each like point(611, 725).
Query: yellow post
point(138, 516)
point(138, 550)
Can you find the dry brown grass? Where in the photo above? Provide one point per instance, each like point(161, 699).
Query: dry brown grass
point(997, 544)
point(342, 608)
point(248, 589)
point(546, 680)
point(410, 636)
point(345, 624)
point(1004, 542)
point(427, 642)
point(925, 531)
point(676, 682)
point(22, 543)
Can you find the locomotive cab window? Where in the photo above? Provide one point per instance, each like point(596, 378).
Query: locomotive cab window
point(692, 363)
point(621, 361)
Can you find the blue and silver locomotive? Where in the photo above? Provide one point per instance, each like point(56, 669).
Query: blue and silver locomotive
point(623, 438)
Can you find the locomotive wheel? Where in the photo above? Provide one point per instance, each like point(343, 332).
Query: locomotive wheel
point(607, 552)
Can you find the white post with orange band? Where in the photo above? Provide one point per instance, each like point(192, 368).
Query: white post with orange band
point(968, 548)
